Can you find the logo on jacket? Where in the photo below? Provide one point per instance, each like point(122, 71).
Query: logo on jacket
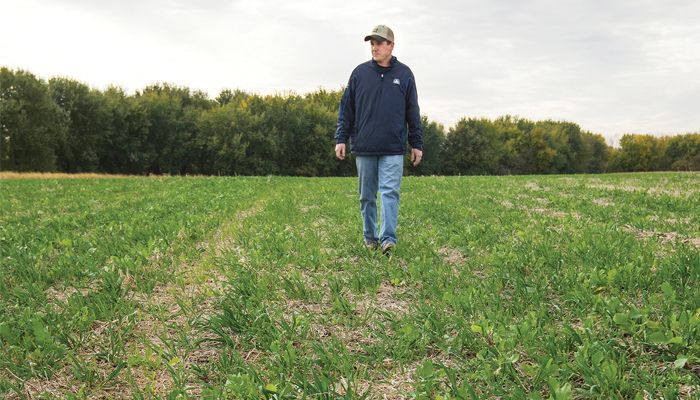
point(397, 81)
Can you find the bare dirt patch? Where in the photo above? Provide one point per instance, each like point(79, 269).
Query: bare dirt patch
point(58, 175)
point(396, 386)
point(54, 296)
point(655, 191)
point(603, 202)
point(678, 221)
point(306, 209)
point(663, 237)
point(304, 307)
point(388, 299)
point(397, 382)
point(352, 260)
point(608, 186)
point(452, 256)
point(534, 186)
point(63, 383)
point(673, 192)
point(550, 212)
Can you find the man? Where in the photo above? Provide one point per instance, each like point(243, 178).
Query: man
point(378, 103)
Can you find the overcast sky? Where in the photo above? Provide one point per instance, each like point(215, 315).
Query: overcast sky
point(612, 66)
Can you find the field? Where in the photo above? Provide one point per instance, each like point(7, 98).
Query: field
point(529, 287)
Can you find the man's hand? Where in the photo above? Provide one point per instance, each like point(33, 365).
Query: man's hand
point(340, 151)
point(416, 156)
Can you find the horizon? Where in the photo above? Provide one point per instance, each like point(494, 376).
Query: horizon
point(291, 92)
point(612, 70)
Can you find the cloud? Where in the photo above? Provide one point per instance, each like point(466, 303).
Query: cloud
point(613, 67)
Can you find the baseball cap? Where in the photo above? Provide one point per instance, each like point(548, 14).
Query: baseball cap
point(381, 32)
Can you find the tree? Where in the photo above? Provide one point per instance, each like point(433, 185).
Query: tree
point(473, 147)
point(172, 113)
point(88, 123)
point(433, 162)
point(227, 96)
point(31, 124)
point(683, 152)
point(121, 149)
point(509, 128)
point(639, 153)
point(532, 151)
point(222, 149)
point(571, 146)
point(598, 153)
point(326, 105)
point(65, 125)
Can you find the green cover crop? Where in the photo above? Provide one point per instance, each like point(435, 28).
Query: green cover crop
point(531, 287)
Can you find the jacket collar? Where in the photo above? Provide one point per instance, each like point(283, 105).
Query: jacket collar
point(392, 62)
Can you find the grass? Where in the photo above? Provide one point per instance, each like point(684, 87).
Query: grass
point(529, 287)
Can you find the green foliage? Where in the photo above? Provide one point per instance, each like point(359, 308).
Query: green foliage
point(473, 148)
point(164, 129)
point(171, 115)
point(122, 147)
point(32, 126)
point(88, 124)
point(511, 145)
point(683, 153)
point(537, 287)
point(91, 242)
point(639, 153)
point(434, 157)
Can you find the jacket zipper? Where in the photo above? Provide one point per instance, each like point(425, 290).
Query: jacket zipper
point(379, 102)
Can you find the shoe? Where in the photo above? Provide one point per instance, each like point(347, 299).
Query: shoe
point(387, 246)
point(371, 245)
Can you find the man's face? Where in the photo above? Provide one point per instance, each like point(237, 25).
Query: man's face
point(381, 51)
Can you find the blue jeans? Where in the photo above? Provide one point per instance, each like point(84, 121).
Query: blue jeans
point(383, 174)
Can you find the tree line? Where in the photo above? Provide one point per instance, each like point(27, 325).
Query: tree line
point(64, 125)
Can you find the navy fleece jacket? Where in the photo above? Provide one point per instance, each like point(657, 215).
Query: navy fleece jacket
point(375, 109)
